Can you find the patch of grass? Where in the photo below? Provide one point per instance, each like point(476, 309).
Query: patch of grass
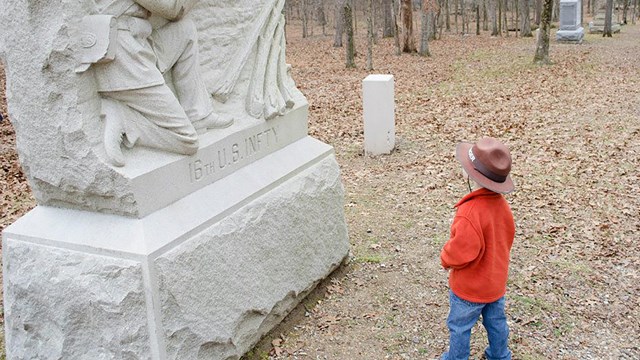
point(370, 259)
point(439, 239)
point(256, 355)
point(572, 267)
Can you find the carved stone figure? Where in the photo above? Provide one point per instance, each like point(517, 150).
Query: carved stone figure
point(152, 91)
point(140, 79)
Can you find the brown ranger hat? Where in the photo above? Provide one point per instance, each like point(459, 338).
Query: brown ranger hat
point(488, 162)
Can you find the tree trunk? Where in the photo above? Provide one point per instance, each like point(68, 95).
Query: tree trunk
point(505, 20)
point(448, 15)
point(506, 16)
point(493, 16)
point(554, 10)
point(425, 27)
point(525, 24)
point(625, 9)
point(608, 17)
point(339, 15)
point(407, 40)
point(463, 17)
point(516, 23)
point(370, 37)
point(354, 16)
point(542, 47)
point(322, 18)
point(348, 24)
point(477, 18)
point(437, 19)
point(538, 13)
point(499, 17)
point(396, 30)
point(455, 15)
point(387, 6)
point(305, 19)
point(485, 20)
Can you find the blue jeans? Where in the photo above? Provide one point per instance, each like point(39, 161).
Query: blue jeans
point(463, 315)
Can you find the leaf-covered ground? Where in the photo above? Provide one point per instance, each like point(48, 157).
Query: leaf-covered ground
point(574, 133)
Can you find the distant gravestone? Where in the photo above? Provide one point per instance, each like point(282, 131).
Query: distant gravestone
point(183, 210)
point(379, 114)
point(571, 29)
point(597, 25)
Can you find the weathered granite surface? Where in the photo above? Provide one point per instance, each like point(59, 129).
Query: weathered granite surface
point(85, 307)
point(203, 278)
point(56, 111)
point(227, 286)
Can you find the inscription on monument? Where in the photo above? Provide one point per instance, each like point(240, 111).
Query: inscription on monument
point(227, 155)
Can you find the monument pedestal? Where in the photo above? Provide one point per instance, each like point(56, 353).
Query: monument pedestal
point(570, 36)
point(202, 278)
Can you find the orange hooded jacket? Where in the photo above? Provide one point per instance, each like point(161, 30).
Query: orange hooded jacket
point(478, 250)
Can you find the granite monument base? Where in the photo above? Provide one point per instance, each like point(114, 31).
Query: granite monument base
point(202, 278)
point(570, 36)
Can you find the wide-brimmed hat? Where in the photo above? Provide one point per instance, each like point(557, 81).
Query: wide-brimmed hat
point(488, 162)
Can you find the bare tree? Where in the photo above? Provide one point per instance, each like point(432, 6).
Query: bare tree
point(427, 15)
point(504, 17)
point(348, 24)
point(447, 15)
point(387, 11)
point(370, 37)
point(494, 18)
point(608, 17)
point(305, 18)
point(542, 47)
point(339, 16)
point(321, 16)
point(477, 6)
point(407, 40)
point(395, 8)
point(525, 24)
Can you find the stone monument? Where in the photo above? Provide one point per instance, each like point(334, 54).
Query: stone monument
point(596, 26)
point(183, 210)
point(571, 29)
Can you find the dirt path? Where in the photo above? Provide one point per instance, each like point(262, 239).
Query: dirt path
point(574, 131)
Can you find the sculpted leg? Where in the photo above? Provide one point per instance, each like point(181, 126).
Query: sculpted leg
point(176, 47)
point(150, 117)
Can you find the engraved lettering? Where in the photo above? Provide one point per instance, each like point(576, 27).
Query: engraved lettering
point(251, 145)
point(235, 151)
point(222, 158)
point(197, 170)
point(259, 136)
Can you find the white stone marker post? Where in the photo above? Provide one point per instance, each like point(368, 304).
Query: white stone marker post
point(379, 114)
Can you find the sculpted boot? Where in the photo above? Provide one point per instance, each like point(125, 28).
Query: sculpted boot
point(212, 121)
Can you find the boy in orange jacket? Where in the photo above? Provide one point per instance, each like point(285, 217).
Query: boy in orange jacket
point(477, 252)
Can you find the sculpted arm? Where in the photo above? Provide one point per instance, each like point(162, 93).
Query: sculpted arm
point(168, 9)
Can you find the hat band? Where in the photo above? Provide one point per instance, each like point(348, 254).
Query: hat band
point(484, 170)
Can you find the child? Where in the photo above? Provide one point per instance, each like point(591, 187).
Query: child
point(477, 252)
